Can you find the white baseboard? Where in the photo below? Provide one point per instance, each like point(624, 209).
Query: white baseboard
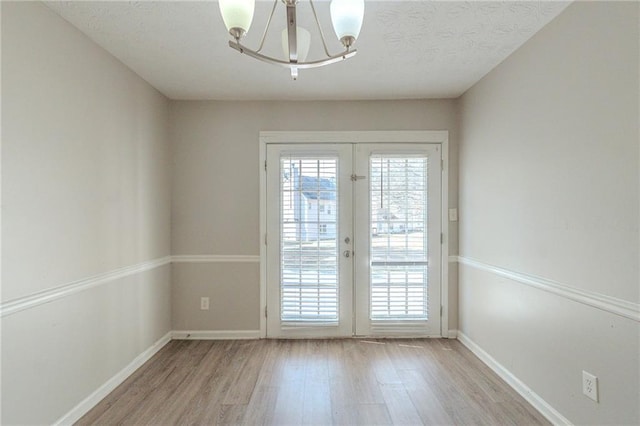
point(453, 334)
point(215, 334)
point(532, 398)
point(92, 400)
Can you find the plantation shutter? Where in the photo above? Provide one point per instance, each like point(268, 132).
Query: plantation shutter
point(399, 254)
point(309, 239)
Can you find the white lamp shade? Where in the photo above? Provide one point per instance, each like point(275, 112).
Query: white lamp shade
point(237, 13)
point(346, 16)
point(304, 41)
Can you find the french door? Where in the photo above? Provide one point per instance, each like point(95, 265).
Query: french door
point(353, 240)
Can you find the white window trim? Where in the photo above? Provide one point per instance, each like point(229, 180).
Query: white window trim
point(401, 136)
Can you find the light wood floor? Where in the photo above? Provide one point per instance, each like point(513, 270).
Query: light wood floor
point(321, 382)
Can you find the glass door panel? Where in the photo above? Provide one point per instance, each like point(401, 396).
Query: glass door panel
point(398, 243)
point(309, 245)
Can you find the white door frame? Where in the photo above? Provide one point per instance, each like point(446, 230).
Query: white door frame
point(400, 136)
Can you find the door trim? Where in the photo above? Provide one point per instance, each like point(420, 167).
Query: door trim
point(400, 136)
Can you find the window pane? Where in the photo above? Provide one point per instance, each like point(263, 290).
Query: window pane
point(309, 254)
point(398, 249)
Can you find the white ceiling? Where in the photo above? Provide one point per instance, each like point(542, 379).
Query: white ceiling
point(407, 49)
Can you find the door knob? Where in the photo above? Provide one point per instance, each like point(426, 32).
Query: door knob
point(347, 253)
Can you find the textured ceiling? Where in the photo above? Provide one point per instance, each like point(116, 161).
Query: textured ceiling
point(407, 49)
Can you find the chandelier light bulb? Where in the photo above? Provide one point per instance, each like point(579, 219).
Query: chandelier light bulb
point(347, 16)
point(237, 15)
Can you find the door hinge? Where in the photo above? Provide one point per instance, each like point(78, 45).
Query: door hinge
point(265, 312)
point(265, 165)
point(265, 239)
point(441, 309)
point(442, 165)
point(441, 238)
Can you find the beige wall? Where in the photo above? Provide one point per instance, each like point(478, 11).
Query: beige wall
point(85, 191)
point(215, 202)
point(549, 187)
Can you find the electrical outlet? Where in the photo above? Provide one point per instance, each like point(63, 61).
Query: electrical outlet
point(453, 215)
point(204, 303)
point(590, 385)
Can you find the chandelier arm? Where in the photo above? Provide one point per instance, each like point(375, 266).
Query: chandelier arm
point(266, 29)
point(298, 65)
point(324, 43)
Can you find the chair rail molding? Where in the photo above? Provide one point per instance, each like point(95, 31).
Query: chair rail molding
point(213, 258)
point(49, 295)
point(594, 299)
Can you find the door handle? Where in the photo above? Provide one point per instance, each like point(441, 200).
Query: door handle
point(346, 253)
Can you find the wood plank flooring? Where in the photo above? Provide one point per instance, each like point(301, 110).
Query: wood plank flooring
point(314, 382)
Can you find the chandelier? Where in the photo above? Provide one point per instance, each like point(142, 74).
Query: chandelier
point(346, 17)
